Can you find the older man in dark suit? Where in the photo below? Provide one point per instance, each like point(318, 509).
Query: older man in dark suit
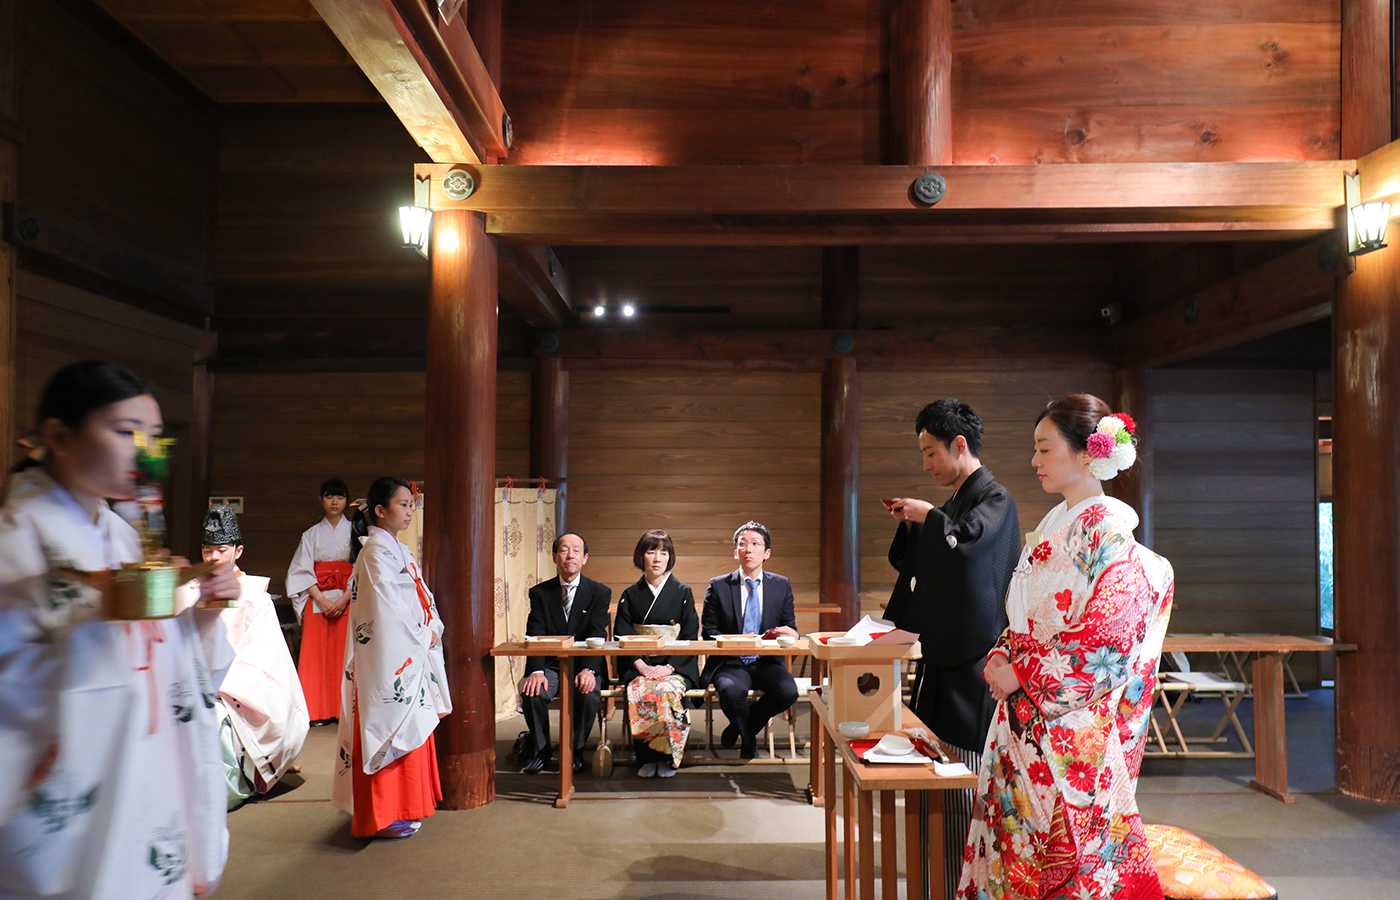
point(566, 604)
point(749, 601)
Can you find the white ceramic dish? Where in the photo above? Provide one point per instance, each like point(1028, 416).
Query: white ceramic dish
point(595, 643)
point(786, 640)
point(854, 729)
point(895, 745)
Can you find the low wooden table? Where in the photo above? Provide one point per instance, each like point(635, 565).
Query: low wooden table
point(923, 816)
point(612, 649)
point(1268, 650)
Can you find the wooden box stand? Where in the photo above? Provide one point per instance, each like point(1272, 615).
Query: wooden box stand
point(865, 681)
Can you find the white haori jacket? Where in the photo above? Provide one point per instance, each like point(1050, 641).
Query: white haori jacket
point(395, 673)
point(321, 542)
point(111, 777)
point(262, 692)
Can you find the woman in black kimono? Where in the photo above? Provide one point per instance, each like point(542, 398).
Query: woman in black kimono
point(658, 604)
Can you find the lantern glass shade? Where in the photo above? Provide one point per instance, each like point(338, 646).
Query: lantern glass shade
point(1369, 221)
point(415, 222)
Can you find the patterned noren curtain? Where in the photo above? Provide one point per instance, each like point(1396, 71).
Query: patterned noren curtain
point(524, 534)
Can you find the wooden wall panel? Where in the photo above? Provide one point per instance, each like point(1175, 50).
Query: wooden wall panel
point(58, 324)
point(309, 262)
point(652, 83)
point(1034, 81)
point(1008, 403)
point(277, 436)
point(696, 454)
point(117, 156)
point(1235, 506)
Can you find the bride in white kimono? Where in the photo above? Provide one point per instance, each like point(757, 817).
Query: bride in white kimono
point(111, 784)
point(395, 689)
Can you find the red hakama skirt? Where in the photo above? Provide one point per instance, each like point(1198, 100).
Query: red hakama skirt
point(321, 663)
point(407, 788)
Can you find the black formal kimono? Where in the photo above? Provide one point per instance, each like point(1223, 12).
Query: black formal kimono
point(954, 569)
point(675, 605)
point(733, 678)
point(587, 618)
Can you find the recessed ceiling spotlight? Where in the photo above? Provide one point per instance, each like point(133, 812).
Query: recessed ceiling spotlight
point(600, 311)
point(628, 310)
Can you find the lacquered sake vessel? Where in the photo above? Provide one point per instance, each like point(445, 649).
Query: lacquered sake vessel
point(142, 591)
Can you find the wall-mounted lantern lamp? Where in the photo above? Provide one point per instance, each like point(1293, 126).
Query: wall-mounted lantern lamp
point(416, 222)
point(1366, 222)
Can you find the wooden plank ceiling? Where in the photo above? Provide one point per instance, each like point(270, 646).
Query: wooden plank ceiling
point(248, 51)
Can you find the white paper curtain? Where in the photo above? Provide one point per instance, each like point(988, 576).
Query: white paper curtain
point(524, 535)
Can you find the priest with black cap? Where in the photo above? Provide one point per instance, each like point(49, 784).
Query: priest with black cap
point(261, 709)
point(955, 562)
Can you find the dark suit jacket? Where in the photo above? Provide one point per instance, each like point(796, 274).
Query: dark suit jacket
point(588, 618)
point(960, 560)
point(723, 614)
point(675, 605)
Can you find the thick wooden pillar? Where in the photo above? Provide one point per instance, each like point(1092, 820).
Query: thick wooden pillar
point(920, 39)
point(1132, 395)
point(459, 531)
point(1365, 433)
point(840, 471)
point(1366, 77)
point(10, 419)
point(549, 429)
point(201, 440)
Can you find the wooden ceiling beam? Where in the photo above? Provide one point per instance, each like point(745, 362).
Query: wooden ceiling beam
point(854, 204)
point(429, 73)
point(583, 229)
point(807, 351)
point(1293, 289)
point(1164, 192)
point(534, 284)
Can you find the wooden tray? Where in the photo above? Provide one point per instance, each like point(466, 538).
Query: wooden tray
point(639, 641)
point(550, 642)
point(743, 641)
point(869, 653)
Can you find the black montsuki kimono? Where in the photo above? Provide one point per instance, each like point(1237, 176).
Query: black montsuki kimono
point(954, 569)
point(675, 605)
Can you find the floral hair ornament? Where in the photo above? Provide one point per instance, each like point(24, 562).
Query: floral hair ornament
point(1113, 446)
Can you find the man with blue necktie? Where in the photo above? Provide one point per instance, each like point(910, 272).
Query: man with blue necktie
point(749, 601)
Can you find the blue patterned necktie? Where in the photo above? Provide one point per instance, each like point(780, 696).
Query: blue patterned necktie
point(753, 614)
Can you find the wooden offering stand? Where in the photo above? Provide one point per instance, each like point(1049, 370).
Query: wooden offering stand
point(865, 681)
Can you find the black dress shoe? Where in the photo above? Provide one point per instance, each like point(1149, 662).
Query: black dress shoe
point(535, 764)
point(579, 764)
point(729, 738)
point(749, 749)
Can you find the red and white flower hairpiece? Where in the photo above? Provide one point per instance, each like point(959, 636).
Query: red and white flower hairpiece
point(1112, 446)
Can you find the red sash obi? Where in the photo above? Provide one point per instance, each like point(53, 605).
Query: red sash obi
point(333, 575)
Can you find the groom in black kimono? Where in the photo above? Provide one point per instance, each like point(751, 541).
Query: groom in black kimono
point(955, 562)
